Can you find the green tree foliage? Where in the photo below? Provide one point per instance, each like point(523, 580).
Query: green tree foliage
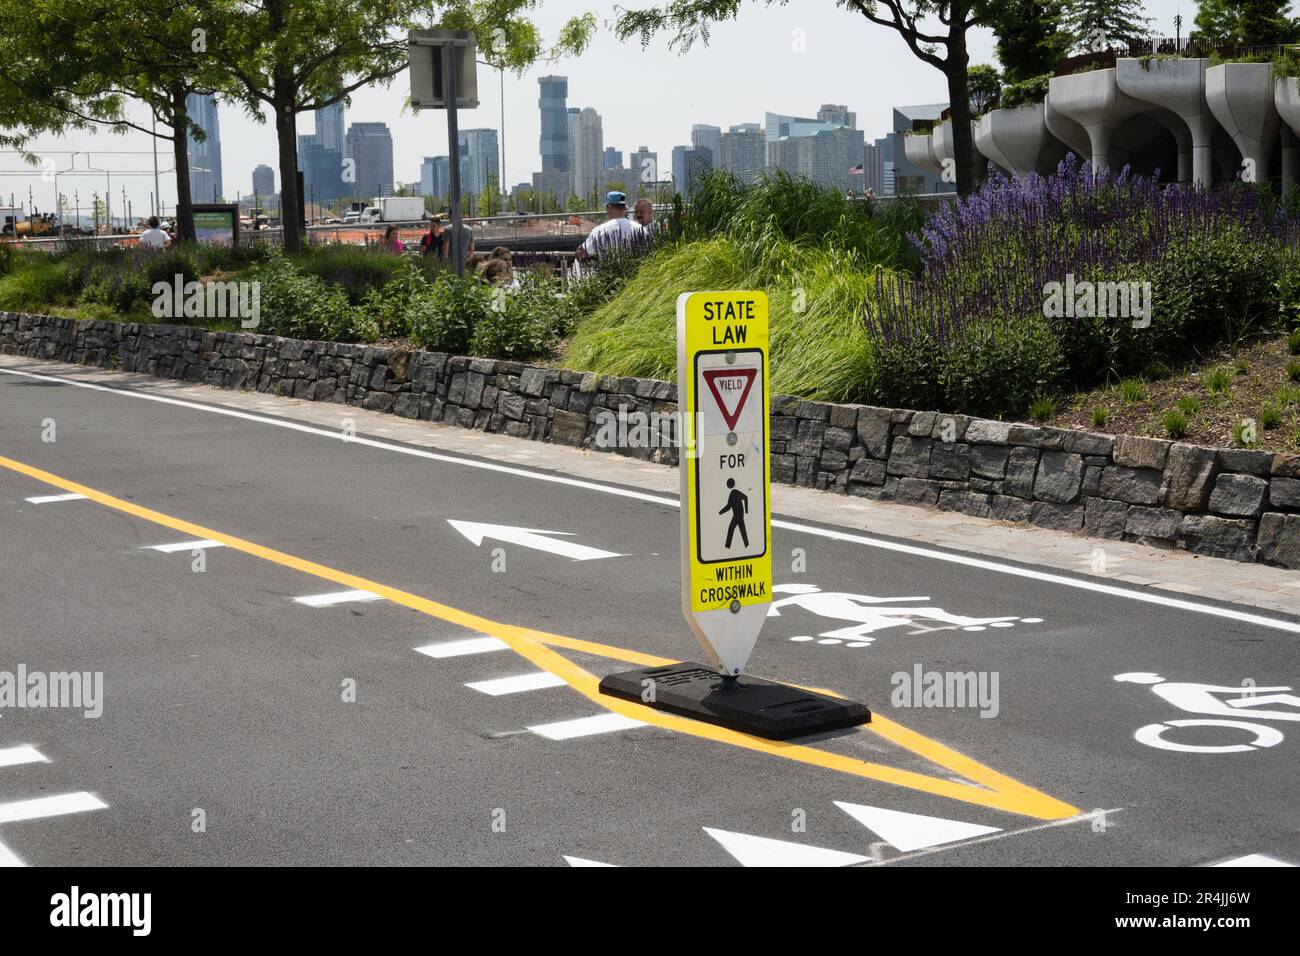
point(1030, 38)
point(1252, 22)
point(985, 85)
point(1095, 24)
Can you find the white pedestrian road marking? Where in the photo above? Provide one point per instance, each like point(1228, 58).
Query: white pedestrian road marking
point(470, 645)
point(64, 803)
point(529, 538)
point(8, 857)
point(1254, 859)
point(337, 597)
point(196, 545)
point(586, 726)
point(912, 831)
point(764, 851)
point(517, 684)
point(579, 861)
point(51, 499)
point(13, 756)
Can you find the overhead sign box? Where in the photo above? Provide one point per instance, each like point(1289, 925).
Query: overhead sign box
point(426, 50)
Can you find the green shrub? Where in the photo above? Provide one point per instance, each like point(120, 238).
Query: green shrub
point(1024, 93)
point(523, 323)
point(390, 306)
point(354, 269)
point(445, 319)
point(1175, 423)
point(1100, 416)
point(1244, 433)
point(1293, 371)
point(1217, 381)
point(1189, 405)
point(1132, 390)
point(34, 286)
point(304, 307)
point(1270, 416)
point(1042, 408)
point(1293, 342)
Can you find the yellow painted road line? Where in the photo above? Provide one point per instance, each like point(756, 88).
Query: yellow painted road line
point(995, 790)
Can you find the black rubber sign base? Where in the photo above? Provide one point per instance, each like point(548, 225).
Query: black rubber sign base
point(750, 705)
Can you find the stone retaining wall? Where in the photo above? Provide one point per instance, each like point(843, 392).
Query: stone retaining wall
point(1229, 503)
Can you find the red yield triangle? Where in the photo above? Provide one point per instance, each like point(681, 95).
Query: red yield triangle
point(712, 375)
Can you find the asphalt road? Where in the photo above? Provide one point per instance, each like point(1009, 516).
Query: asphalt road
point(241, 726)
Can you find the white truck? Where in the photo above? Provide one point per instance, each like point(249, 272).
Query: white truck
point(395, 209)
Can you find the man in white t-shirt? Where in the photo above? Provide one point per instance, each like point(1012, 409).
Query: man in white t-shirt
point(617, 231)
point(153, 237)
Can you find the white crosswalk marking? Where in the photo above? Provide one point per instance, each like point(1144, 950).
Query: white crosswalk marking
point(40, 807)
point(912, 831)
point(8, 857)
point(764, 851)
point(51, 499)
point(470, 645)
point(517, 684)
point(585, 726)
point(579, 861)
point(337, 597)
point(13, 756)
point(195, 545)
point(1254, 859)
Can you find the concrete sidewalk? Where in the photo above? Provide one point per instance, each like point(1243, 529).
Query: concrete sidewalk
point(1252, 585)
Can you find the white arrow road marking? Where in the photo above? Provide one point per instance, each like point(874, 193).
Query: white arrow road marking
point(579, 861)
point(529, 538)
point(184, 546)
point(470, 645)
point(1254, 859)
point(8, 857)
point(13, 756)
point(336, 597)
point(50, 806)
point(912, 831)
point(764, 851)
point(585, 726)
point(517, 684)
point(51, 499)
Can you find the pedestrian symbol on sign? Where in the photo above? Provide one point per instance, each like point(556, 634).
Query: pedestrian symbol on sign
point(738, 505)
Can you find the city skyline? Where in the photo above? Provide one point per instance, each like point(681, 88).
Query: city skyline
point(645, 96)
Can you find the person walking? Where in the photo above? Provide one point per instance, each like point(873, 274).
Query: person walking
point(432, 242)
point(738, 505)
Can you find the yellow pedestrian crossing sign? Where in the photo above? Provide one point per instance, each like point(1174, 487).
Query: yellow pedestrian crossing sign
point(722, 392)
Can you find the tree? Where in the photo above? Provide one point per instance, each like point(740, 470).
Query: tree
point(1251, 22)
point(489, 200)
point(1030, 38)
point(292, 56)
point(985, 85)
point(1097, 24)
point(77, 64)
point(942, 46)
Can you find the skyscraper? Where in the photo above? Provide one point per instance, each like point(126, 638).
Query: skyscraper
point(689, 163)
point(205, 156)
point(556, 176)
point(263, 181)
point(613, 157)
point(480, 161)
point(837, 115)
point(370, 147)
point(708, 138)
point(645, 166)
point(587, 146)
point(329, 127)
point(742, 151)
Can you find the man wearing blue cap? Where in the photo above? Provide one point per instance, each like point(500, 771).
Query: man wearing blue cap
point(617, 231)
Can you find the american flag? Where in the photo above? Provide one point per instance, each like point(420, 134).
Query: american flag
point(856, 170)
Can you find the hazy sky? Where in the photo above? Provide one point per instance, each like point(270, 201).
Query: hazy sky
point(645, 97)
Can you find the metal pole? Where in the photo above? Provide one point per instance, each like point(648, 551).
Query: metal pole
point(453, 148)
point(153, 123)
point(502, 178)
